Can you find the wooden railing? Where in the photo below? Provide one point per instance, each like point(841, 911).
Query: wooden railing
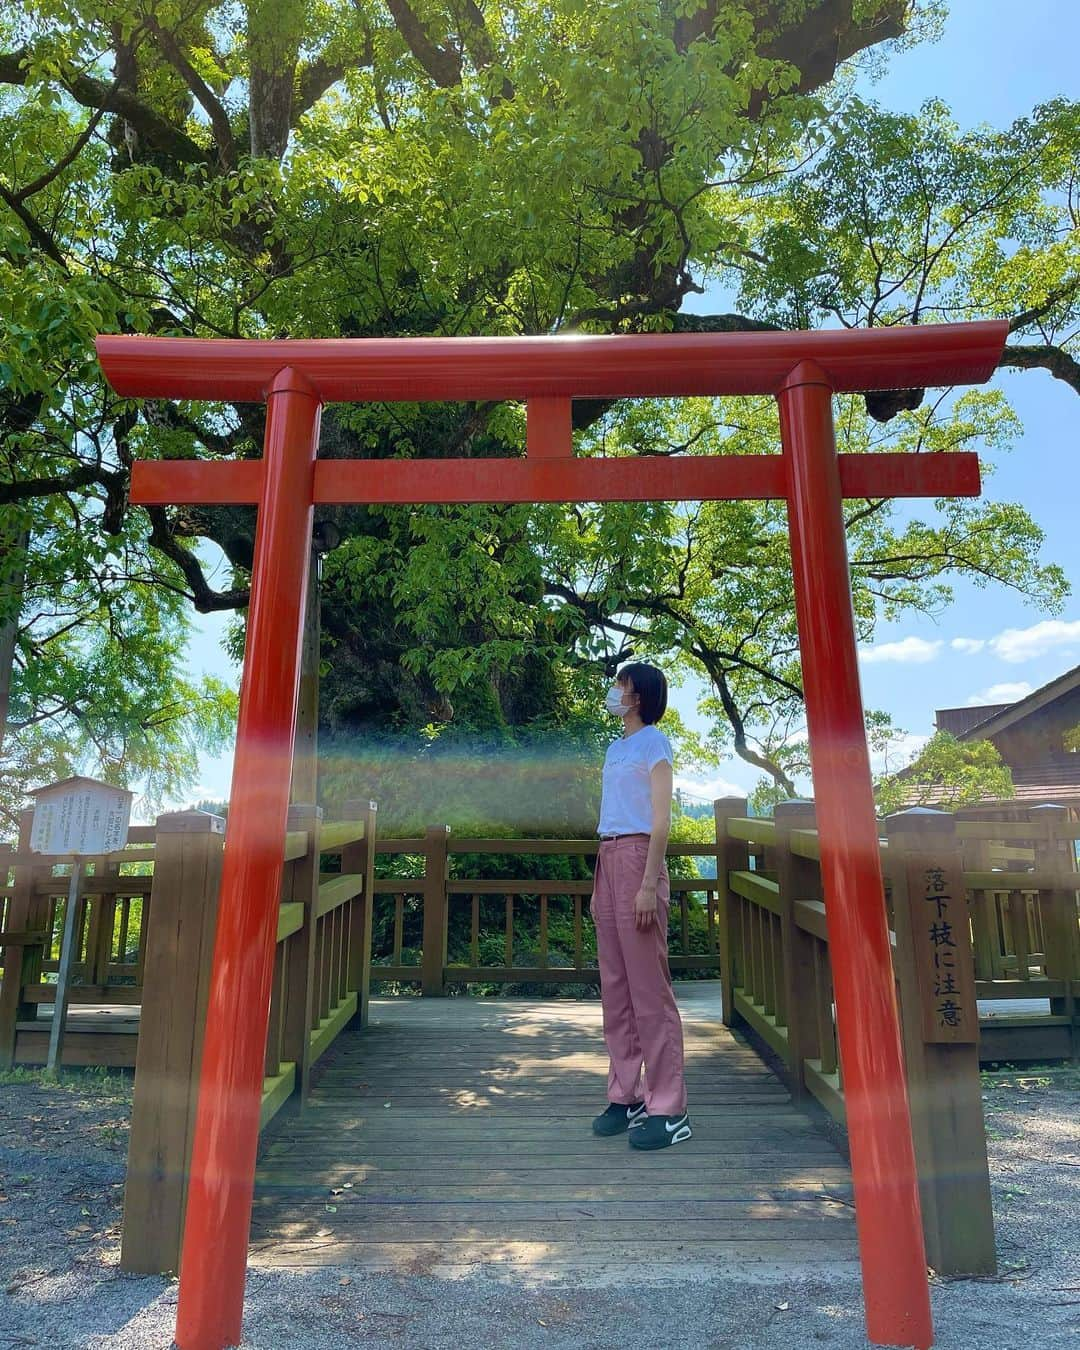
point(1020, 866)
point(1021, 882)
point(111, 924)
point(321, 981)
point(145, 932)
point(516, 915)
point(1016, 883)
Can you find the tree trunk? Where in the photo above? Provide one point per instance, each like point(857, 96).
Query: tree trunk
point(274, 31)
point(13, 549)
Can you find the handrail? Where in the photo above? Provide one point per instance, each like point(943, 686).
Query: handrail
point(1009, 831)
point(809, 915)
point(1041, 880)
point(139, 854)
point(336, 834)
point(757, 889)
point(337, 891)
point(805, 843)
point(516, 886)
point(290, 919)
point(754, 829)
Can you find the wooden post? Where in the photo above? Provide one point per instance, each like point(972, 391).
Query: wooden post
point(304, 787)
point(359, 857)
point(63, 975)
point(732, 855)
point(26, 913)
point(433, 960)
point(1059, 913)
point(939, 1017)
point(179, 943)
point(301, 883)
point(797, 879)
point(6, 851)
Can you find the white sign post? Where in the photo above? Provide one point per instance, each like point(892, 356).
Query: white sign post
point(76, 818)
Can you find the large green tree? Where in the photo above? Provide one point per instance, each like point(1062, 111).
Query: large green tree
point(375, 167)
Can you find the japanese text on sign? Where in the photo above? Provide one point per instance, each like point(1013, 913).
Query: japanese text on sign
point(943, 956)
point(80, 816)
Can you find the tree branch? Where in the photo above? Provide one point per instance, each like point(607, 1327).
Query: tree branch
point(219, 118)
point(38, 234)
point(205, 598)
point(78, 478)
point(477, 40)
point(315, 79)
point(1057, 361)
point(164, 412)
point(827, 34)
point(58, 168)
point(731, 711)
point(720, 323)
point(1037, 311)
point(443, 64)
point(152, 128)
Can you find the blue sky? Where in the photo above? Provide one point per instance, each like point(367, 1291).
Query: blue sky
point(990, 645)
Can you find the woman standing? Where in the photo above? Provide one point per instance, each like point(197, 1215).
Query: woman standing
point(642, 1027)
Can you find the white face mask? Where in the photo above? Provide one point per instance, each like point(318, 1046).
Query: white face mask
point(614, 702)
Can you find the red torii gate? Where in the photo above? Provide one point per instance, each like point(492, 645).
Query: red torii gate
point(295, 377)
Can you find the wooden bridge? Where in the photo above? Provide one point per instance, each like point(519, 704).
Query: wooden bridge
point(454, 1134)
point(487, 1127)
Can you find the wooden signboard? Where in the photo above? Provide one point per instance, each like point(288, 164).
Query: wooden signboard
point(80, 816)
point(76, 817)
point(942, 949)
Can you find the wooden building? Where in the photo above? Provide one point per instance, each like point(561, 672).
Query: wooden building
point(1038, 737)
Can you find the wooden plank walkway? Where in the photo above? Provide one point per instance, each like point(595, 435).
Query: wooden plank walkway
point(453, 1135)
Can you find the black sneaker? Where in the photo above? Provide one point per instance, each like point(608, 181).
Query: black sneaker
point(619, 1117)
point(661, 1131)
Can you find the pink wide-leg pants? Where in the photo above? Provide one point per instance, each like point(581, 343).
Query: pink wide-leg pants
point(642, 1027)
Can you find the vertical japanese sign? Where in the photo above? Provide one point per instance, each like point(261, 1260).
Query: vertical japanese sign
point(943, 957)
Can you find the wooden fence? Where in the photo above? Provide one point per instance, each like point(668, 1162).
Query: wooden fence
point(1021, 883)
point(1015, 883)
point(320, 985)
point(111, 924)
point(519, 912)
point(145, 928)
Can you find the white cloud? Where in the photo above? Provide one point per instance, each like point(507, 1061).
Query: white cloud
point(908, 651)
point(709, 789)
point(910, 743)
point(1001, 693)
point(1025, 644)
point(901, 751)
point(968, 645)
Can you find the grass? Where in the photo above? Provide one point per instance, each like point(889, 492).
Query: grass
point(97, 1081)
point(112, 1134)
point(1031, 1077)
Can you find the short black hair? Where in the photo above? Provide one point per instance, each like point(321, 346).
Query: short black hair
point(650, 685)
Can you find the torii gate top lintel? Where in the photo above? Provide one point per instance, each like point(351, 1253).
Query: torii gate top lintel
point(295, 377)
point(650, 365)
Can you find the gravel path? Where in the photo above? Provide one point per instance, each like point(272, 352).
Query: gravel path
point(61, 1173)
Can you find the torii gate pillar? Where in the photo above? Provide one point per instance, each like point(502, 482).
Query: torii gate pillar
point(803, 371)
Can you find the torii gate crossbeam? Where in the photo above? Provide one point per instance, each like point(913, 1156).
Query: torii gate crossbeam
point(294, 378)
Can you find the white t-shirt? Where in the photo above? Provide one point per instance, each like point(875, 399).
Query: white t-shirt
point(626, 798)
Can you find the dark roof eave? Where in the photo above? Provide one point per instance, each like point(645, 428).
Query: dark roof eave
point(1024, 707)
